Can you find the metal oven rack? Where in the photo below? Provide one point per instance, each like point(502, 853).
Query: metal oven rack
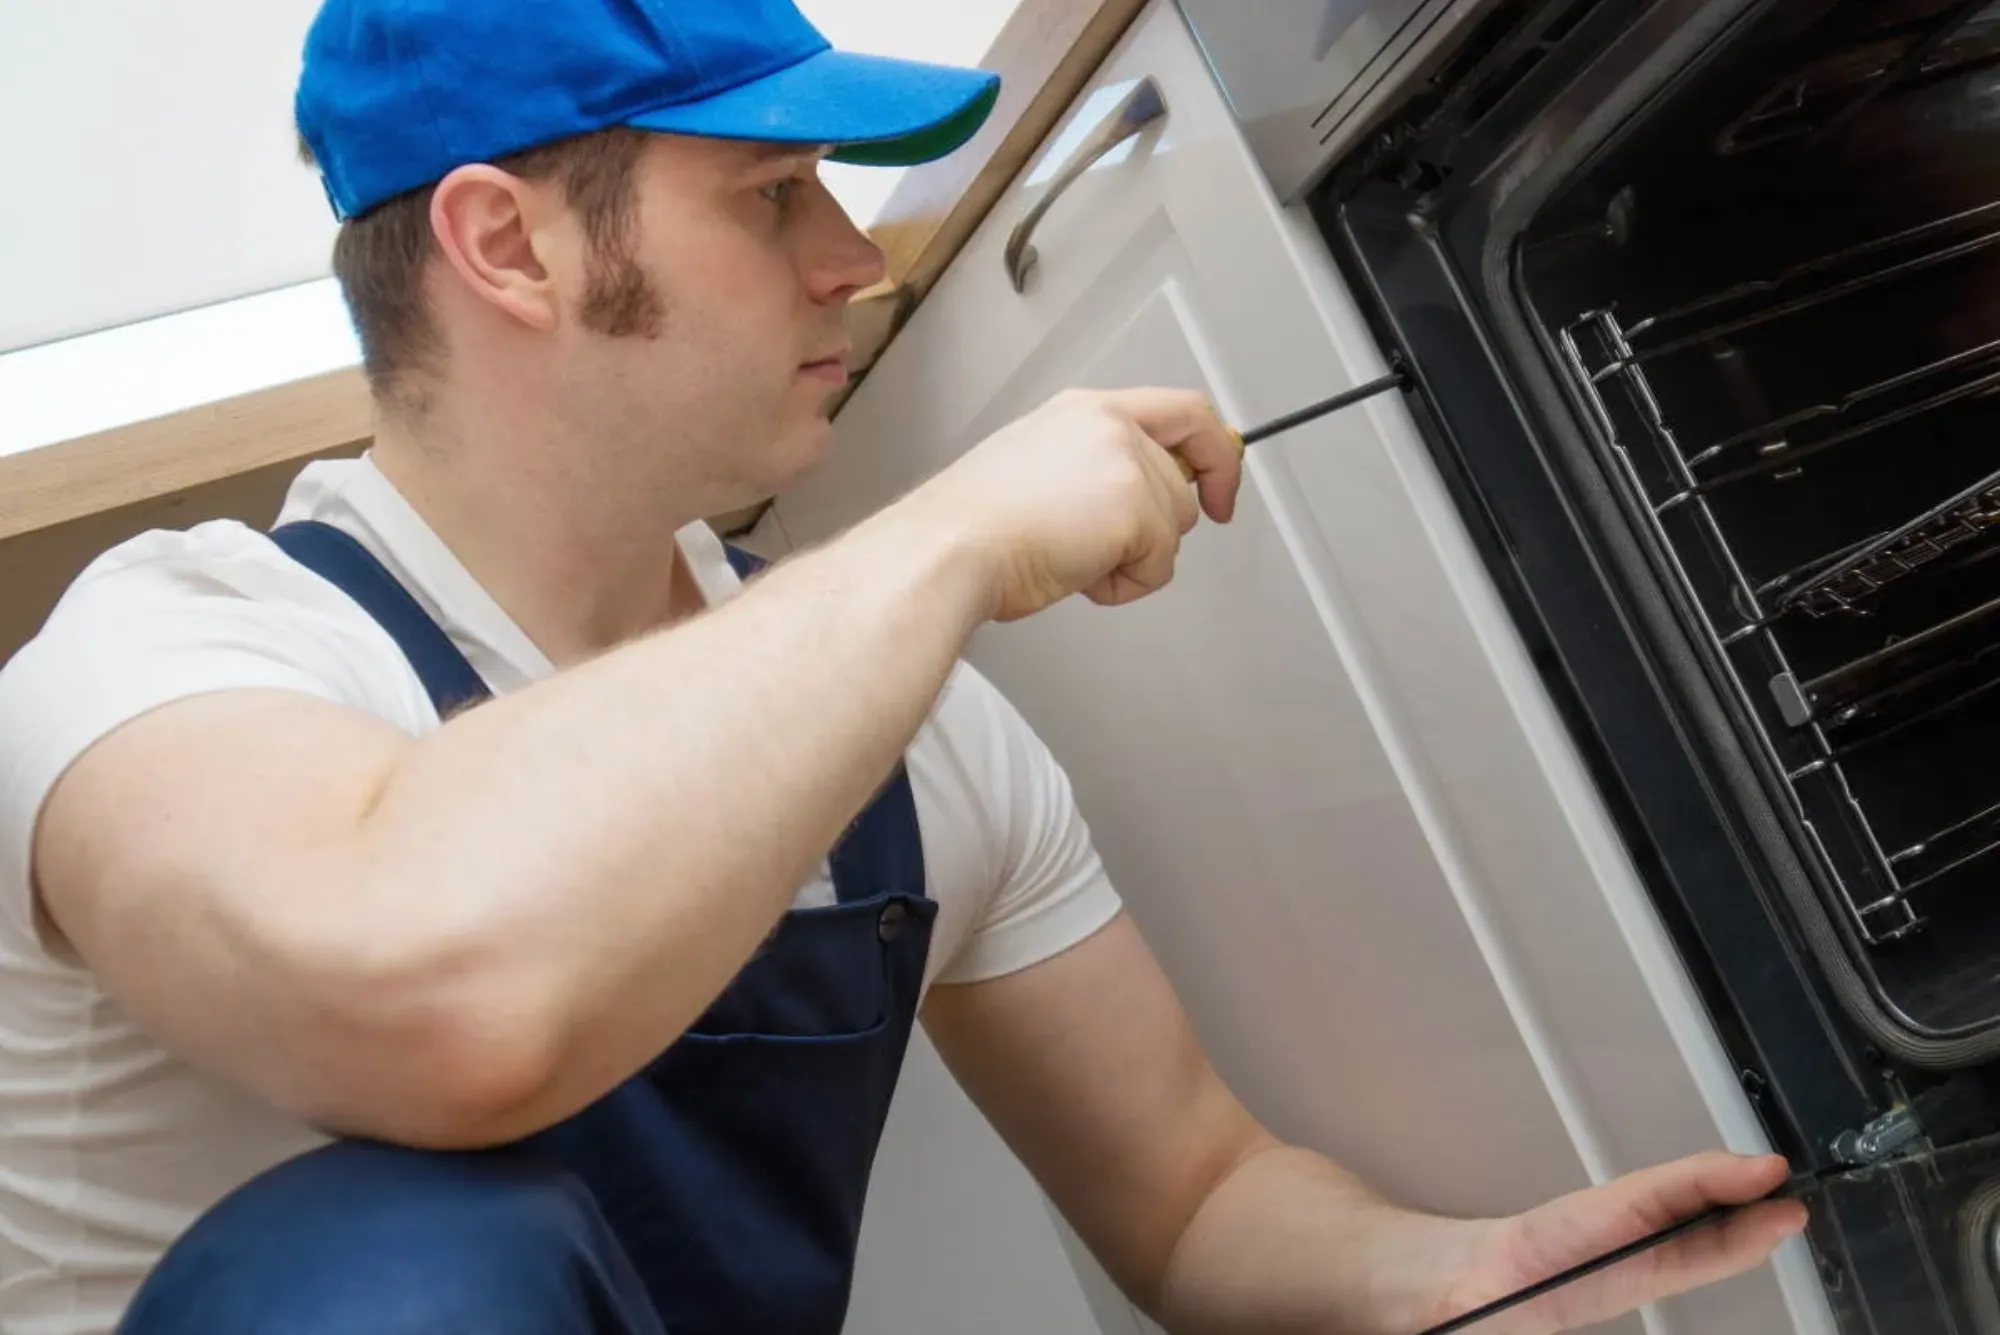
point(1815, 728)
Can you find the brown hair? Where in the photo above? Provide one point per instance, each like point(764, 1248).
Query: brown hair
point(381, 256)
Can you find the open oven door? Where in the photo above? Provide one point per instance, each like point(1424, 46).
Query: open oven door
point(1704, 296)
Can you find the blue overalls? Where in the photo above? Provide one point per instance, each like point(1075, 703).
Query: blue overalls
point(720, 1190)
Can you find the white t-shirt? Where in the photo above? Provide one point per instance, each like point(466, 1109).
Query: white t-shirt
point(109, 1147)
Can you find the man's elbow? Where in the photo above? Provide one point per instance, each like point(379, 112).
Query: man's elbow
point(435, 1050)
point(465, 1095)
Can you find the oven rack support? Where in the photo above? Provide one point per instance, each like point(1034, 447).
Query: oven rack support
point(1881, 913)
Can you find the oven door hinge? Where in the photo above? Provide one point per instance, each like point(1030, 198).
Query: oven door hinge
point(1883, 1138)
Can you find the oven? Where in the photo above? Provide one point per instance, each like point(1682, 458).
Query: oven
point(1703, 297)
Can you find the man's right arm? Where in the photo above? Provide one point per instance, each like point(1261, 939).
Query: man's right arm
point(458, 939)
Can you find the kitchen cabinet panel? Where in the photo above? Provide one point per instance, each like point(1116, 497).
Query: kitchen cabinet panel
point(1242, 800)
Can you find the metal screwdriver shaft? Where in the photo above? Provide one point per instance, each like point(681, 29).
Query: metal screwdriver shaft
point(1399, 378)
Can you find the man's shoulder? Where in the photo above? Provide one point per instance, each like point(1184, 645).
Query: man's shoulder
point(213, 559)
point(217, 598)
point(158, 560)
point(981, 759)
point(218, 563)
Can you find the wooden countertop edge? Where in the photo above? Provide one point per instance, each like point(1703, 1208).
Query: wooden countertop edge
point(185, 450)
point(1045, 55)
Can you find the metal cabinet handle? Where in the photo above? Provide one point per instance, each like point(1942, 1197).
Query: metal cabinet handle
point(1136, 111)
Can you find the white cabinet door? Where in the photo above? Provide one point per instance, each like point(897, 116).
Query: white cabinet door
point(1229, 768)
point(1318, 765)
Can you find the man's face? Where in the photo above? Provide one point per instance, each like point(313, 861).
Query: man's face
point(709, 362)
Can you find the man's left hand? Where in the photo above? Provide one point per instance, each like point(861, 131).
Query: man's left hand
point(1508, 1255)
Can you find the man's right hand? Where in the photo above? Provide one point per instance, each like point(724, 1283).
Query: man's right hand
point(1086, 495)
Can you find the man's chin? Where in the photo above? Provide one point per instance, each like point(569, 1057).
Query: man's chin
point(816, 436)
point(805, 447)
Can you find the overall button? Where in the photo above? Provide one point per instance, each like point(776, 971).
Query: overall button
point(890, 925)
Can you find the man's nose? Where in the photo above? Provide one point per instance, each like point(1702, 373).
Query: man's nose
point(843, 260)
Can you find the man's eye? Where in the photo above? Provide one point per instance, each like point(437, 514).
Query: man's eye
point(780, 192)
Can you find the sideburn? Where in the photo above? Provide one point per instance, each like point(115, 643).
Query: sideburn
point(620, 300)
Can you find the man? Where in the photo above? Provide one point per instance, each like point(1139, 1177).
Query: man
point(580, 1010)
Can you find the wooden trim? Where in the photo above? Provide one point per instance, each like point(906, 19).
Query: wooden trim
point(286, 423)
point(1045, 56)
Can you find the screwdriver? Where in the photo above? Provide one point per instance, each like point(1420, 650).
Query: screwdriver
point(1398, 378)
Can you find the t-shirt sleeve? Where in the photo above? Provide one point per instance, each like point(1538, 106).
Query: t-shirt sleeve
point(1050, 890)
point(134, 634)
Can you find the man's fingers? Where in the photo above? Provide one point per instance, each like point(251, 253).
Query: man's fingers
point(1169, 416)
point(1730, 1248)
point(1186, 425)
point(1577, 1227)
point(1706, 1256)
point(1130, 583)
point(1152, 568)
point(1168, 472)
point(1674, 1191)
point(1737, 1243)
point(1652, 1198)
point(1219, 486)
point(1169, 514)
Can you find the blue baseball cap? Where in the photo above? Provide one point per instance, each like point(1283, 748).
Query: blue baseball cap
point(395, 94)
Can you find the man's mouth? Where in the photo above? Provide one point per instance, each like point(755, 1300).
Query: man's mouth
point(833, 370)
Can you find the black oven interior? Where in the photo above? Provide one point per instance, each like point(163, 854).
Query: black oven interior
point(1775, 298)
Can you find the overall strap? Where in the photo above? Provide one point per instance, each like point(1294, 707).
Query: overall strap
point(743, 562)
point(882, 851)
point(342, 561)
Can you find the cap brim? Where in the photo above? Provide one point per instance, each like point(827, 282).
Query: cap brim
point(870, 110)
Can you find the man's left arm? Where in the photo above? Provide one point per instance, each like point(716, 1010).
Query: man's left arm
point(1088, 1067)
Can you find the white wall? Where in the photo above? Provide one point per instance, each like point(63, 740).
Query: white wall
point(148, 156)
point(148, 159)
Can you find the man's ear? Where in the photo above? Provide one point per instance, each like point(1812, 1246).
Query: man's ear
point(495, 230)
